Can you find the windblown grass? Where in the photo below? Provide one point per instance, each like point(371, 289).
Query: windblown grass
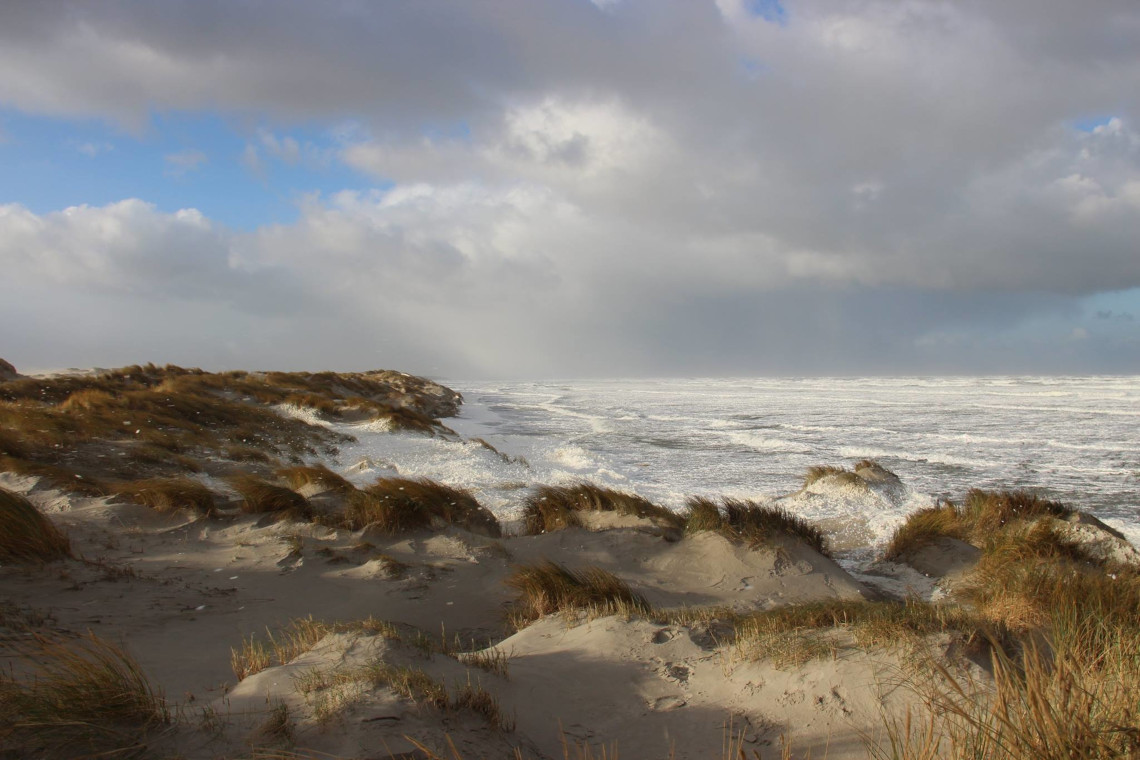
point(26, 535)
point(259, 496)
point(298, 637)
point(169, 494)
point(1073, 688)
point(83, 698)
point(331, 691)
point(398, 505)
point(548, 587)
point(820, 471)
point(751, 522)
point(1074, 693)
point(977, 520)
point(795, 633)
point(551, 508)
point(72, 422)
point(301, 476)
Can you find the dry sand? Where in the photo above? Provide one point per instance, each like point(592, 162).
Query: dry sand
point(183, 591)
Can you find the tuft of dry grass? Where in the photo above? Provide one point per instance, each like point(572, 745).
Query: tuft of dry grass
point(260, 496)
point(169, 494)
point(303, 475)
point(298, 637)
point(551, 508)
point(548, 587)
point(820, 471)
point(750, 522)
point(398, 505)
point(777, 633)
point(982, 516)
point(26, 535)
point(1073, 693)
point(492, 659)
point(81, 698)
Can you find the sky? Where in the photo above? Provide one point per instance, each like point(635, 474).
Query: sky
point(572, 188)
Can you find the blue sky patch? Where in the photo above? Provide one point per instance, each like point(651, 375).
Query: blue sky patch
point(1090, 123)
point(241, 176)
point(772, 11)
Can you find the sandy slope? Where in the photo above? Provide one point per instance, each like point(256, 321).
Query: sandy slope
point(181, 592)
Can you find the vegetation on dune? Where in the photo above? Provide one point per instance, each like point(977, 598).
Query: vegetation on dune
point(820, 471)
point(169, 494)
point(980, 517)
point(26, 535)
point(750, 522)
point(298, 637)
point(260, 496)
point(551, 508)
point(79, 698)
point(397, 505)
point(149, 421)
point(793, 634)
point(548, 587)
point(303, 475)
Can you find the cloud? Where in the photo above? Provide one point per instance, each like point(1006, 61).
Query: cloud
point(679, 186)
point(180, 163)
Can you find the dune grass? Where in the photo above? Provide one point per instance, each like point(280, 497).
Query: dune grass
point(794, 634)
point(261, 497)
point(78, 698)
point(1072, 688)
point(1072, 692)
point(329, 692)
point(26, 535)
point(820, 471)
point(399, 505)
point(169, 494)
point(72, 422)
point(303, 475)
point(299, 636)
point(753, 523)
point(551, 508)
point(548, 587)
point(981, 516)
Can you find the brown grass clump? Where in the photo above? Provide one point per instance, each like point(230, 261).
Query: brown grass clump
point(298, 637)
point(982, 516)
point(753, 523)
point(115, 425)
point(259, 496)
point(26, 535)
point(1073, 692)
point(795, 633)
point(820, 471)
point(549, 587)
point(303, 475)
point(169, 494)
point(397, 505)
point(84, 698)
point(702, 514)
point(551, 508)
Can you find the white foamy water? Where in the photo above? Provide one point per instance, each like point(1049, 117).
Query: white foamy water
point(1074, 439)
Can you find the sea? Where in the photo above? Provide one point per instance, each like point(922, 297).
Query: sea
point(1072, 439)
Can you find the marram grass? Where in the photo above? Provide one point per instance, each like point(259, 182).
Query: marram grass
point(77, 698)
point(26, 535)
